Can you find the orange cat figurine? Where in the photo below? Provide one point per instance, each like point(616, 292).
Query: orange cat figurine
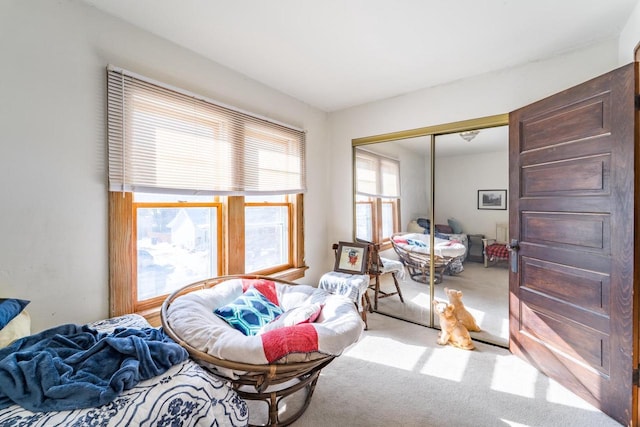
point(452, 331)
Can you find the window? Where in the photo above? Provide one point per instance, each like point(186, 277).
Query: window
point(177, 242)
point(377, 196)
point(197, 190)
point(267, 227)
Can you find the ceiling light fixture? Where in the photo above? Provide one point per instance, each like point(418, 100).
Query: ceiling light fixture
point(469, 135)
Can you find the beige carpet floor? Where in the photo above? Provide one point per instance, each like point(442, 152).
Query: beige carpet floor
point(397, 375)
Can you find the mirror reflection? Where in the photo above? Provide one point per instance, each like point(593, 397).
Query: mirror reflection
point(394, 196)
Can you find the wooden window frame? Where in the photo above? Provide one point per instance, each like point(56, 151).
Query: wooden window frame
point(374, 212)
point(122, 251)
point(395, 207)
point(290, 261)
point(141, 306)
point(376, 218)
point(375, 164)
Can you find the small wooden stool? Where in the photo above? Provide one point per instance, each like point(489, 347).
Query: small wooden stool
point(352, 286)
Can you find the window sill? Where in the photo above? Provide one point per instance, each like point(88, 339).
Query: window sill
point(153, 314)
point(291, 274)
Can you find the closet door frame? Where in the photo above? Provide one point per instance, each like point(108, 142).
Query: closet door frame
point(432, 132)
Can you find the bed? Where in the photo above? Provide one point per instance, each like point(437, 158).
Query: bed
point(413, 249)
point(184, 395)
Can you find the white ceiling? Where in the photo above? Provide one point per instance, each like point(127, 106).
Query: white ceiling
point(334, 54)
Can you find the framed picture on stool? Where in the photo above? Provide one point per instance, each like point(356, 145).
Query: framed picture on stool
point(351, 258)
point(350, 276)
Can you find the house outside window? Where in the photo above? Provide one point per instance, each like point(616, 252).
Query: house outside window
point(176, 242)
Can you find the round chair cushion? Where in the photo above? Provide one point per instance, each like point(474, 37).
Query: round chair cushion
point(419, 244)
point(337, 326)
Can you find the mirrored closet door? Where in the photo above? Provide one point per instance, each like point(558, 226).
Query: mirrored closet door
point(378, 216)
point(452, 197)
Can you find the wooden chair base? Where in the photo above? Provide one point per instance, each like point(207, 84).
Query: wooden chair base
point(306, 385)
point(366, 306)
point(418, 264)
point(422, 274)
point(379, 294)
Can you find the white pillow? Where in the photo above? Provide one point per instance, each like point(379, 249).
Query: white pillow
point(18, 327)
point(303, 314)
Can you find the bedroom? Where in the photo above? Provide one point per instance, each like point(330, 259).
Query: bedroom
point(54, 247)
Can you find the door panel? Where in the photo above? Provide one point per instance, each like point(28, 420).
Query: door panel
point(580, 177)
point(579, 231)
point(588, 290)
point(572, 210)
point(584, 119)
point(574, 340)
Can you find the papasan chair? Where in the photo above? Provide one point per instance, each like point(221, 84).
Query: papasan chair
point(269, 355)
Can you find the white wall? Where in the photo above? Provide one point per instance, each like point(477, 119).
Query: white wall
point(53, 229)
point(483, 95)
point(629, 37)
point(415, 182)
point(458, 179)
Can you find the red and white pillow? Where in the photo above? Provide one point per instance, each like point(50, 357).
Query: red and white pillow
point(304, 314)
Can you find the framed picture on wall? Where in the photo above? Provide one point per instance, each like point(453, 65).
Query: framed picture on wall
point(351, 258)
point(492, 199)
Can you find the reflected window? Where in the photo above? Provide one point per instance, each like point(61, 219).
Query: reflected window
point(364, 218)
point(377, 196)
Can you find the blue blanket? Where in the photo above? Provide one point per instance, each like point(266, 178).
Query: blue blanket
point(72, 366)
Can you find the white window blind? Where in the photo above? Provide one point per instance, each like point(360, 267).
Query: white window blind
point(163, 139)
point(377, 176)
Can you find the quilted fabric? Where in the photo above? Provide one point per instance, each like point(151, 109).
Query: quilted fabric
point(249, 312)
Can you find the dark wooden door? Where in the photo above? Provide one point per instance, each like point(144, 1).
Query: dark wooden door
point(573, 311)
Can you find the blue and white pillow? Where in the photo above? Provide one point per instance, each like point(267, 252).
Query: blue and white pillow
point(10, 308)
point(15, 322)
point(249, 312)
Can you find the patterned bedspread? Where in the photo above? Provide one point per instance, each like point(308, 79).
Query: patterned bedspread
point(185, 395)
